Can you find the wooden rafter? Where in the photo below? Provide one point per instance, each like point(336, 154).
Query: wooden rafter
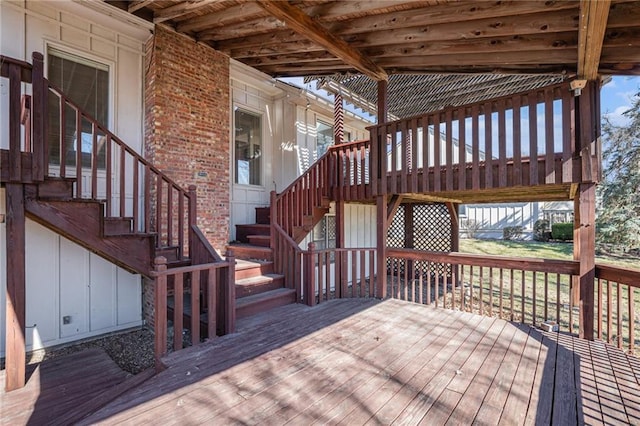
point(302, 24)
point(137, 5)
point(180, 9)
point(593, 24)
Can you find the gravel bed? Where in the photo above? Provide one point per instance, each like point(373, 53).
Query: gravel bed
point(131, 350)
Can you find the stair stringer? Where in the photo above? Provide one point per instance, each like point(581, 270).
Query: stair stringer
point(81, 221)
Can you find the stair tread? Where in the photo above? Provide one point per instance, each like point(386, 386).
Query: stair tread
point(249, 246)
point(242, 264)
point(254, 225)
point(264, 278)
point(260, 297)
point(259, 237)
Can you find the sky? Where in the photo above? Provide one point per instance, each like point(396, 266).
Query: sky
point(617, 97)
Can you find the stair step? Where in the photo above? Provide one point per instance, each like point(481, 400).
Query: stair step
point(117, 226)
point(260, 240)
point(263, 215)
point(248, 269)
point(261, 302)
point(56, 189)
point(243, 231)
point(171, 253)
point(260, 284)
point(251, 252)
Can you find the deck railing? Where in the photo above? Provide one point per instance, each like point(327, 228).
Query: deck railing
point(618, 307)
point(352, 162)
point(486, 145)
point(287, 256)
point(338, 273)
point(203, 284)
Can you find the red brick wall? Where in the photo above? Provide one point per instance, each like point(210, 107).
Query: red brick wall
point(187, 123)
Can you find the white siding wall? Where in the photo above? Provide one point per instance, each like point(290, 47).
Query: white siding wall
point(493, 218)
point(63, 279)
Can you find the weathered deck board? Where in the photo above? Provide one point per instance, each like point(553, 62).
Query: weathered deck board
point(355, 361)
point(58, 388)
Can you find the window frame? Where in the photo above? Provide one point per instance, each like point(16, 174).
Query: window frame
point(260, 115)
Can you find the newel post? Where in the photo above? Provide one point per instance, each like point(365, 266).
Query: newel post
point(229, 296)
point(310, 275)
point(160, 310)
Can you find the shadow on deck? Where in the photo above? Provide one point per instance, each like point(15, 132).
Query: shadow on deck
point(354, 361)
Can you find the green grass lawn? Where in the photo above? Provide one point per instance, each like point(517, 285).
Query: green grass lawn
point(539, 250)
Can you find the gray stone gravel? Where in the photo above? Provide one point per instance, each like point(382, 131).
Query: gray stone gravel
point(131, 350)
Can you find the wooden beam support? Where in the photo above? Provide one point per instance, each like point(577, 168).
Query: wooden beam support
point(584, 243)
point(592, 27)
point(455, 225)
point(394, 203)
point(15, 352)
point(381, 246)
point(179, 9)
point(137, 5)
point(302, 24)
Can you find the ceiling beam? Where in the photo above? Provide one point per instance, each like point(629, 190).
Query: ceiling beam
point(137, 5)
point(592, 27)
point(180, 9)
point(302, 24)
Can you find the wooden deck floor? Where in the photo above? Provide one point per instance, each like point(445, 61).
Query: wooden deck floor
point(369, 362)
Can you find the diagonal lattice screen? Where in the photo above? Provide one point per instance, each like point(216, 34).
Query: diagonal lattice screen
point(430, 231)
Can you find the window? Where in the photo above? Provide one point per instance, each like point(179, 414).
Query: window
point(86, 83)
point(248, 147)
point(324, 138)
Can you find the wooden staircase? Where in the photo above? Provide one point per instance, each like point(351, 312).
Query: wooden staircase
point(258, 287)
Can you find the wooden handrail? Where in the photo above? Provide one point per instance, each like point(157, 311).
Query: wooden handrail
point(5, 65)
point(628, 276)
point(571, 267)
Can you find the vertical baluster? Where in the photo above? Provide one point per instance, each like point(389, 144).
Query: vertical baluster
point(181, 214)
point(517, 142)
point(63, 136)
point(471, 283)
point(363, 287)
point(462, 150)
point(449, 151)
point(39, 114)
point(78, 153)
point(170, 214)
point(414, 156)
point(159, 239)
point(550, 167)
point(94, 161)
point(136, 198)
point(619, 314)
point(546, 296)
point(122, 180)
point(425, 153)
point(178, 310)
point(534, 297)
point(490, 292)
point(327, 262)
point(609, 311)
point(501, 278)
point(375, 151)
point(632, 317)
point(437, 158)
point(160, 311)
point(394, 159)
point(475, 147)
point(404, 160)
point(147, 198)
point(372, 266)
point(533, 139)
point(522, 296)
point(488, 145)
point(558, 301)
point(453, 285)
point(354, 272)
point(321, 284)
point(511, 307)
point(109, 176)
point(502, 145)
point(568, 135)
point(212, 298)
point(437, 283)
point(481, 291)
point(195, 307)
point(362, 189)
point(428, 283)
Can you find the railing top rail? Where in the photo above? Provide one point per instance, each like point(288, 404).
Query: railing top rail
point(494, 101)
point(526, 264)
point(116, 139)
point(287, 238)
point(619, 274)
point(191, 268)
point(343, 249)
point(5, 61)
point(348, 144)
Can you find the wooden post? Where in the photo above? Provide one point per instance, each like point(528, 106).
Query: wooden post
point(585, 228)
point(193, 218)
point(38, 114)
point(160, 311)
point(383, 101)
point(310, 275)
point(381, 246)
point(230, 295)
point(15, 150)
point(15, 357)
point(455, 226)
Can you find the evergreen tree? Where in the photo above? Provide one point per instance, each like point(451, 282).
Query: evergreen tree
point(618, 220)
